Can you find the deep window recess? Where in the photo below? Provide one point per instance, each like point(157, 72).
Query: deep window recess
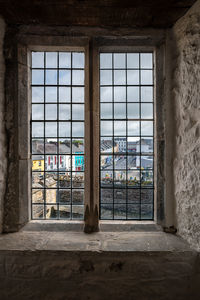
point(126, 136)
point(57, 135)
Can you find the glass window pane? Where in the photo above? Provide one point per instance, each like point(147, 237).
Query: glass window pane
point(106, 94)
point(77, 212)
point(133, 211)
point(77, 196)
point(64, 111)
point(64, 179)
point(146, 60)
point(132, 94)
point(120, 162)
point(119, 77)
point(106, 196)
point(78, 179)
point(120, 128)
point(50, 129)
point(105, 61)
point(134, 196)
point(133, 111)
point(133, 178)
point(77, 77)
point(78, 60)
point(147, 111)
point(38, 77)
point(146, 162)
point(50, 111)
point(105, 77)
point(146, 77)
point(106, 145)
point(133, 162)
point(106, 111)
point(146, 212)
point(37, 94)
point(38, 181)
point(37, 111)
point(147, 178)
point(64, 148)
point(64, 94)
point(78, 111)
point(77, 146)
point(106, 178)
point(146, 145)
point(51, 212)
point(64, 129)
point(119, 60)
point(133, 145)
point(51, 60)
point(64, 59)
point(106, 128)
point(147, 94)
point(64, 77)
point(119, 211)
point(106, 212)
point(106, 162)
point(51, 162)
point(119, 94)
point(120, 144)
point(37, 59)
point(37, 129)
point(77, 129)
point(120, 196)
point(132, 77)
point(119, 179)
point(133, 128)
point(38, 211)
point(65, 196)
point(51, 94)
point(119, 111)
point(51, 146)
point(77, 94)
point(64, 160)
point(51, 179)
point(51, 195)
point(37, 146)
point(132, 60)
point(65, 212)
point(51, 77)
point(147, 196)
point(146, 128)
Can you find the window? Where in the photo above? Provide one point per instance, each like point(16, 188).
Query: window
point(58, 135)
point(126, 139)
point(123, 158)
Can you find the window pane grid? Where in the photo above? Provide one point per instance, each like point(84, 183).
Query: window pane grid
point(126, 138)
point(57, 131)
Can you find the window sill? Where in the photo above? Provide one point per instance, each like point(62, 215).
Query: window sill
point(104, 226)
point(97, 242)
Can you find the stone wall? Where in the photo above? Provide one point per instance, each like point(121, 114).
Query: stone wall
point(186, 97)
point(2, 124)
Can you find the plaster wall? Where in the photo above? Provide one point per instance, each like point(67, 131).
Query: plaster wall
point(2, 125)
point(186, 97)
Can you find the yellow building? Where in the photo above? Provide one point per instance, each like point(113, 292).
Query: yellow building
point(37, 163)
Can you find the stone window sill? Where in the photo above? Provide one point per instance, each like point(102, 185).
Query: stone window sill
point(97, 242)
point(104, 226)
